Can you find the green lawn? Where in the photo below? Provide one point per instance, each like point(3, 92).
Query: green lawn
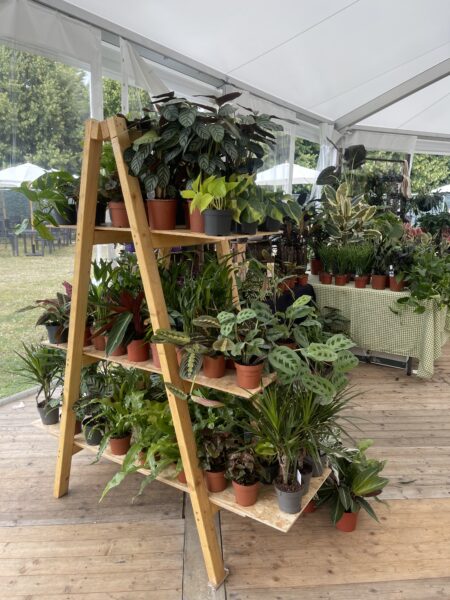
point(24, 279)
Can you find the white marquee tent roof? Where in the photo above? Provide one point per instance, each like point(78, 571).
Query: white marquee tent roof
point(327, 58)
point(378, 66)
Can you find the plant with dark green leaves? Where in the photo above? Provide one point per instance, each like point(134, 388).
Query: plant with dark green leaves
point(327, 255)
point(354, 478)
point(56, 311)
point(54, 193)
point(181, 138)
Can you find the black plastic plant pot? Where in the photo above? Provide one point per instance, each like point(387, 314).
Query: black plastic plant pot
point(49, 416)
point(55, 335)
point(272, 224)
point(317, 467)
point(93, 436)
point(100, 213)
point(249, 228)
point(290, 502)
point(217, 222)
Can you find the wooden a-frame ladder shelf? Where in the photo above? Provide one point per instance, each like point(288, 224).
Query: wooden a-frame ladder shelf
point(145, 242)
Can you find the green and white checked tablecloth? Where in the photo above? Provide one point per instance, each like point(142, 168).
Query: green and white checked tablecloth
point(373, 326)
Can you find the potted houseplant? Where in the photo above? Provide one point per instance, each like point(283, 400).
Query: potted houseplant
point(353, 479)
point(55, 317)
point(93, 426)
point(401, 260)
point(362, 261)
point(110, 191)
point(215, 198)
point(279, 206)
point(240, 339)
point(251, 209)
point(341, 265)
point(327, 256)
point(43, 366)
point(242, 470)
point(279, 431)
point(213, 445)
point(380, 267)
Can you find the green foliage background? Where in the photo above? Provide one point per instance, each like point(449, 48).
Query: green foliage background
point(43, 106)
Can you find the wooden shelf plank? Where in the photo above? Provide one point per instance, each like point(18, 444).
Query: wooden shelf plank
point(168, 475)
point(224, 384)
point(265, 510)
point(107, 234)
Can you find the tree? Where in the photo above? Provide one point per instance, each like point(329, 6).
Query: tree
point(306, 153)
point(43, 106)
point(111, 97)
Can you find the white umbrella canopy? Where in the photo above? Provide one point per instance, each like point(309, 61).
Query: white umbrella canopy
point(279, 175)
point(12, 177)
point(445, 189)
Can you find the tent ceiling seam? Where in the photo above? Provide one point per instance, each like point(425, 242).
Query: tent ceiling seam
point(420, 112)
point(293, 37)
point(316, 106)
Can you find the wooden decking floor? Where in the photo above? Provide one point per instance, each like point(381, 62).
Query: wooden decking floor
point(77, 549)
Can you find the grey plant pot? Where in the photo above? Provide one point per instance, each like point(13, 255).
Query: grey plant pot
point(290, 502)
point(249, 228)
point(272, 224)
point(49, 416)
point(53, 337)
point(217, 222)
point(93, 436)
point(317, 467)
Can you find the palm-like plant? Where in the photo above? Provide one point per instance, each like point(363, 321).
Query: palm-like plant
point(42, 366)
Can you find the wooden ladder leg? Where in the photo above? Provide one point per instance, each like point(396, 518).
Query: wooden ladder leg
point(223, 251)
point(147, 262)
point(83, 256)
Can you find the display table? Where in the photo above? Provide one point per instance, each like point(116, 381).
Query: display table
point(375, 327)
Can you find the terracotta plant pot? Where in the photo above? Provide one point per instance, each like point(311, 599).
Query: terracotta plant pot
point(325, 278)
point(196, 220)
point(99, 342)
point(182, 477)
point(249, 376)
point(77, 427)
point(229, 364)
point(361, 281)
point(245, 495)
point(142, 458)
point(310, 507)
point(214, 366)
point(288, 283)
point(162, 214)
point(302, 279)
point(347, 522)
point(340, 280)
point(379, 282)
point(120, 446)
point(119, 351)
point(316, 266)
point(118, 214)
point(138, 351)
point(216, 481)
point(155, 356)
point(396, 286)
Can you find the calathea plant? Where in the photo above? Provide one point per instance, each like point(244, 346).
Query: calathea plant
point(320, 367)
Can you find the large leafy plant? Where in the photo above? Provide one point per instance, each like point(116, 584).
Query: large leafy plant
point(348, 218)
point(44, 367)
point(181, 138)
point(354, 477)
point(216, 193)
point(54, 192)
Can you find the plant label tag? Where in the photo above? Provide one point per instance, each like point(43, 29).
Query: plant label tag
point(299, 477)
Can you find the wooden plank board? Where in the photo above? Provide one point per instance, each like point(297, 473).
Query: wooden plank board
point(227, 383)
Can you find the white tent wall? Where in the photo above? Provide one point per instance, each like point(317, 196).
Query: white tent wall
point(28, 26)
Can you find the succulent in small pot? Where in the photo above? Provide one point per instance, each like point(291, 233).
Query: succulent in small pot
point(44, 367)
point(242, 469)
